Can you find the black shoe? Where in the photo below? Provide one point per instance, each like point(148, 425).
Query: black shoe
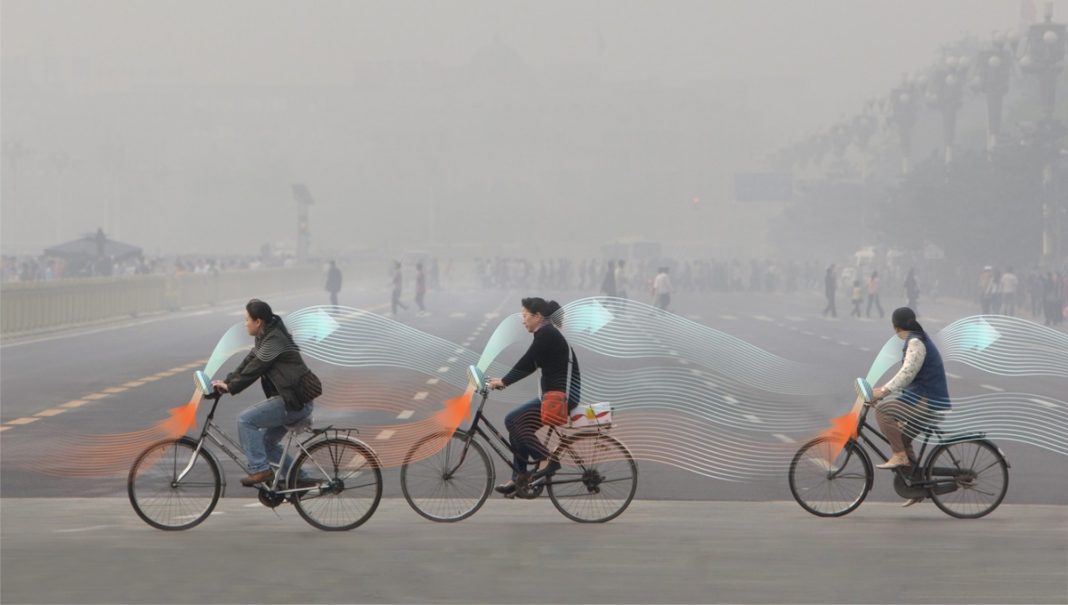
point(506, 488)
point(548, 471)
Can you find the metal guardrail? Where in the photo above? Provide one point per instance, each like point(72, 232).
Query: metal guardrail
point(41, 306)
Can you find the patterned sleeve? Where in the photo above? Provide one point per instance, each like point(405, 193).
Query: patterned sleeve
point(914, 356)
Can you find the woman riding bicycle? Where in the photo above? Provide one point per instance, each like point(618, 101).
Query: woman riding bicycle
point(921, 387)
point(550, 352)
point(275, 360)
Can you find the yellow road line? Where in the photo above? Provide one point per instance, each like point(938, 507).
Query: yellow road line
point(115, 390)
point(96, 396)
point(133, 383)
point(75, 403)
point(51, 412)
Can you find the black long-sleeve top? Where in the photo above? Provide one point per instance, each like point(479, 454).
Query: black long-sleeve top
point(550, 353)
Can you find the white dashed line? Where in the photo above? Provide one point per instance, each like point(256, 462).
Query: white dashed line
point(952, 375)
point(452, 359)
point(421, 395)
point(711, 384)
point(432, 381)
point(991, 387)
point(406, 414)
point(728, 317)
point(90, 528)
point(843, 343)
point(443, 369)
point(386, 434)
point(782, 438)
point(865, 349)
point(458, 351)
point(20, 421)
point(458, 314)
point(684, 362)
point(807, 333)
point(1042, 402)
point(825, 337)
point(794, 318)
point(4, 428)
point(753, 419)
point(694, 317)
point(729, 399)
point(763, 318)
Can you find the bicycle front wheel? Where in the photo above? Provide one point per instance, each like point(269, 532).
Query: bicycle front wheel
point(163, 500)
point(970, 478)
point(597, 478)
point(828, 483)
point(446, 478)
point(349, 484)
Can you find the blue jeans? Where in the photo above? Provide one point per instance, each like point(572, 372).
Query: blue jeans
point(261, 428)
point(522, 424)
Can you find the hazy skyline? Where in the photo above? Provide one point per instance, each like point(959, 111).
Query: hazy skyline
point(179, 126)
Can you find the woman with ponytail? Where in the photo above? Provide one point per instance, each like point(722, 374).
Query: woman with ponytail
point(276, 362)
point(920, 386)
point(550, 352)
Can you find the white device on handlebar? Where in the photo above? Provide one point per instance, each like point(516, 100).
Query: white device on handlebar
point(864, 390)
point(200, 377)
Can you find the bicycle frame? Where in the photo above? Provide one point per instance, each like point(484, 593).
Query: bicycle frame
point(911, 479)
point(475, 429)
point(212, 432)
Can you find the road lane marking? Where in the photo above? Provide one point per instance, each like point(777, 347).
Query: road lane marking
point(728, 317)
point(133, 383)
point(96, 396)
point(753, 419)
point(460, 351)
point(729, 399)
point(865, 349)
point(20, 421)
point(386, 434)
point(176, 370)
point(807, 333)
point(1048, 404)
point(843, 343)
point(432, 381)
point(74, 403)
point(825, 337)
point(114, 390)
point(406, 414)
point(51, 412)
point(763, 318)
point(492, 315)
point(421, 395)
point(991, 387)
point(782, 438)
point(90, 528)
point(4, 428)
point(952, 375)
point(452, 359)
point(794, 318)
point(443, 369)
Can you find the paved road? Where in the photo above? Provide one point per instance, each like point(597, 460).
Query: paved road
point(119, 381)
point(61, 550)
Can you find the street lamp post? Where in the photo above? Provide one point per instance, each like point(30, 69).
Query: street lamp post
point(1042, 57)
point(903, 111)
point(992, 78)
point(945, 90)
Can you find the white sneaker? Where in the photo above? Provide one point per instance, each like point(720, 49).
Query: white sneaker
point(895, 461)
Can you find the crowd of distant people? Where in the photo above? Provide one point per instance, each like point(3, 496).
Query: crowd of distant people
point(44, 268)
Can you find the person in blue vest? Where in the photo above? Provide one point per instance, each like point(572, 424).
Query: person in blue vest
point(920, 390)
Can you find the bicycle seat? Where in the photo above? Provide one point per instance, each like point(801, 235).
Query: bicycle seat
point(299, 426)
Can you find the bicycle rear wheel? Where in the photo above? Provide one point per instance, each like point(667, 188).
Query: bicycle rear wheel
point(829, 485)
point(974, 471)
point(350, 484)
point(159, 498)
point(597, 478)
point(438, 484)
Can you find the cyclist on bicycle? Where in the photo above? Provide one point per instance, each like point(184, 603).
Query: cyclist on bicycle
point(550, 352)
point(921, 388)
point(275, 360)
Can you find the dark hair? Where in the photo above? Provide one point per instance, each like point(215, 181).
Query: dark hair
point(548, 309)
point(905, 319)
point(258, 309)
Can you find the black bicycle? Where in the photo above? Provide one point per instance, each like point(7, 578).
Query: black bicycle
point(335, 482)
point(448, 477)
point(965, 474)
